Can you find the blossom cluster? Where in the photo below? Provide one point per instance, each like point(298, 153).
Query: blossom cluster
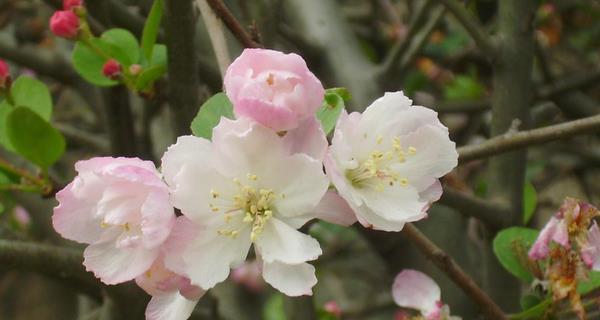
point(261, 177)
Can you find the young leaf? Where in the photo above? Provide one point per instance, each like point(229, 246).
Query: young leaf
point(332, 107)
point(159, 55)
point(149, 75)
point(592, 283)
point(4, 110)
point(33, 94)
point(88, 62)
point(511, 246)
point(463, 88)
point(151, 29)
point(34, 138)
point(210, 114)
point(534, 313)
point(529, 202)
point(123, 46)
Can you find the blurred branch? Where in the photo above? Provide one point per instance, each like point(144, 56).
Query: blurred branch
point(473, 27)
point(513, 141)
point(232, 24)
point(493, 214)
point(56, 262)
point(446, 264)
point(180, 24)
point(83, 138)
point(578, 81)
point(214, 26)
point(53, 67)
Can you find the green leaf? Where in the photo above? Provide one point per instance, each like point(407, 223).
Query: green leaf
point(585, 287)
point(274, 309)
point(463, 88)
point(159, 55)
point(529, 301)
point(88, 62)
point(4, 110)
point(34, 138)
point(33, 94)
point(332, 107)
point(511, 246)
point(210, 114)
point(123, 46)
point(534, 313)
point(4, 179)
point(529, 202)
point(148, 76)
point(151, 28)
point(1, 207)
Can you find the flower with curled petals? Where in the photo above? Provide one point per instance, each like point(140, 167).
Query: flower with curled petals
point(273, 88)
point(254, 190)
point(386, 162)
point(120, 207)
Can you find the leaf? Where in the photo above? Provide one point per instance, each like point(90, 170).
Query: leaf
point(506, 245)
point(34, 138)
point(274, 309)
point(4, 110)
point(88, 63)
point(210, 114)
point(123, 46)
point(529, 301)
point(591, 284)
point(463, 88)
point(151, 28)
point(529, 201)
point(332, 107)
point(533, 313)
point(148, 76)
point(33, 94)
point(159, 55)
point(1, 207)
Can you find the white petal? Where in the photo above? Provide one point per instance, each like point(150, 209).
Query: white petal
point(307, 138)
point(291, 279)
point(415, 290)
point(371, 220)
point(210, 256)
point(396, 202)
point(170, 306)
point(280, 242)
point(334, 209)
point(187, 151)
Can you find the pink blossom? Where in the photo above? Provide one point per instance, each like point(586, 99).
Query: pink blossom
point(555, 230)
point(21, 216)
point(120, 206)
point(65, 24)
point(590, 253)
point(273, 88)
point(111, 69)
point(173, 296)
point(71, 4)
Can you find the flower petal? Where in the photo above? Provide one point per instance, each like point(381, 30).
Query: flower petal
point(291, 279)
point(170, 306)
point(334, 209)
point(308, 138)
point(415, 290)
point(280, 242)
point(187, 151)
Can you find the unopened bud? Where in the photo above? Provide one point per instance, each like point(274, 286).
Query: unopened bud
point(65, 24)
point(111, 69)
point(135, 69)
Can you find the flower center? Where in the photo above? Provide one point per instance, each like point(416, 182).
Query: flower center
point(251, 201)
point(376, 171)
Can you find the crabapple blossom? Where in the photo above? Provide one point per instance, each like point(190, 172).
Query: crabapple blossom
point(555, 230)
point(253, 190)
point(386, 162)
point(415, 290)
point(65, 24)
point(173, 296)
point(591, 251)
point(273, 88)
point(120, 207)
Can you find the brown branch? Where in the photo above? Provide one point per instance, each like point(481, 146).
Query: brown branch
point(473, 27)
point(493, 214)
point(513, 141)
point(232, 24)
point(446, 264)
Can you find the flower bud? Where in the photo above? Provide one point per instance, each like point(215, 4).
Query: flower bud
point(111, 69)
point(333, 308)
point(65, 24)
point(71, 4)
point(4, 74)
point(135, 69)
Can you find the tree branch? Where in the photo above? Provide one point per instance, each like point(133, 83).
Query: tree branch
point(232, 24)
point(180, 24)
point(512, 141)
point(446, 264)
point(214, 26)
point(473, 27)
point(493, 214)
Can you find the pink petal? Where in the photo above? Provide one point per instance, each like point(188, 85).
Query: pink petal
point(335, 209)
point(170, 306)
point(308, 138)
point(540, 248)
point(415, 290)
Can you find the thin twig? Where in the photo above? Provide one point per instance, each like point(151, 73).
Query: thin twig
point(232, 24)
point(473, 27)
point(216, 35)
point(445, 263)
point(513, 141)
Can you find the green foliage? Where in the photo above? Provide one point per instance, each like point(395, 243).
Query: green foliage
point(89, 62)
point(210, 114)
point(333, 104)
point(534, 313)
point(529, 201)
point(463, 88)
point(151, 29)
point(274, 309)
point(592, 283)
point(159, 55)
point(529, 301)
point(149, 75)
point(511, 246)
point(122, 46)
point(33, 137)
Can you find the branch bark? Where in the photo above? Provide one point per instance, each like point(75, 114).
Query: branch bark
point(180, 25)
point(232, 24)
point(512, 141)
point(445, 263)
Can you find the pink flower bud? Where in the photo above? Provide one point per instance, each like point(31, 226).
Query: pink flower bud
point(70, 4)
point(111, 69)
point(135, 69)
point(333, 308)
point(4, 74)
point(65, 24)
point(273, 88)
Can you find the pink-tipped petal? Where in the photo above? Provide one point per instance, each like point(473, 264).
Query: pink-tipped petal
point(334, 209)
point(415, 290)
